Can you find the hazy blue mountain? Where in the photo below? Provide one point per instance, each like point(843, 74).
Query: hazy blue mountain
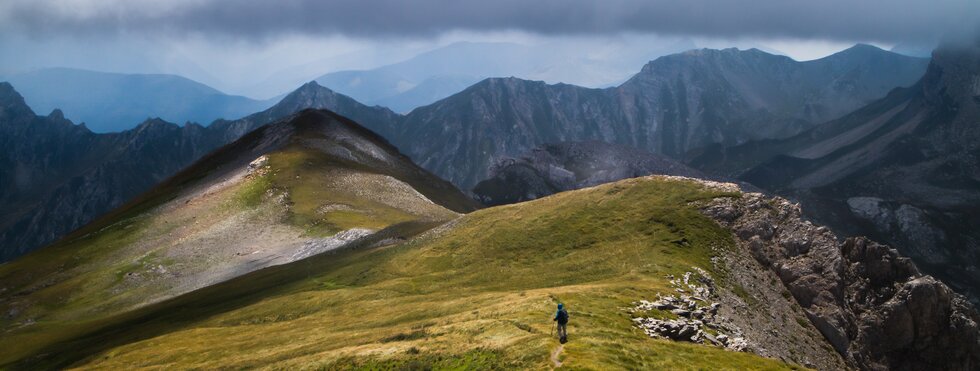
point(429, 90)
point(443, 72)
point(111, 102)
point(439, 73)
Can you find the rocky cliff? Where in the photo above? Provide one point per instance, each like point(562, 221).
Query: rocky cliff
point(871, 304)
point(673, 105)
point(904, 170)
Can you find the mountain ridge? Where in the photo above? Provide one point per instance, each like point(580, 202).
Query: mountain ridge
point(458, 138)
point(103, 171)
point(901, 170)
point(112, 102)
point(309, 183)
point(675, 104)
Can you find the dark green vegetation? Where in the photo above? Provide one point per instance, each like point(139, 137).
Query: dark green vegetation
point(477, 293)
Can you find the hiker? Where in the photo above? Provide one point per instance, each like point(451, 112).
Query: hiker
point(561, 317)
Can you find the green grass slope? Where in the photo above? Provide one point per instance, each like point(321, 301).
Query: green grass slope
point(476, 293)
point(320, 174)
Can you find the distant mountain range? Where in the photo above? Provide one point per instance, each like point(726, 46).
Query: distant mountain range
point(113, 102)
point(295, 218)
point(442, 72)
point(675, 104)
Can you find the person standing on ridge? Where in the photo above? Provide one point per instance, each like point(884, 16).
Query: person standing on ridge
point(561, 317)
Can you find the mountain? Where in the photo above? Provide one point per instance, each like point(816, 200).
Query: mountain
point(312, 182)
point(112, 102)
point(427, 91)
point(459, 138)
point(560, 167)
point(311, 95)
point(439, 73)
point(676, 104)
point(56, 177)
point(902, 169)
point(476, 292)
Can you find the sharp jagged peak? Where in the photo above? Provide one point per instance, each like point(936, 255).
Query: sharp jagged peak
point(9, 97)
point(311, 88)
point(12, 104)
point(310, 95)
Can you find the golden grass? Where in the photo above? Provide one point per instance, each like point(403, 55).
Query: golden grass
point(477, 296)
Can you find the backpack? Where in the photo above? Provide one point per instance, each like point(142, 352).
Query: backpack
point(562, 317)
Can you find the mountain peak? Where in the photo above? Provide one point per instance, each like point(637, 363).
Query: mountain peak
point(309, 95)
point(863, 46)
point(11, 102)
point(312, 85)
point(154, 123)
point(864, 52)
point(9, 94)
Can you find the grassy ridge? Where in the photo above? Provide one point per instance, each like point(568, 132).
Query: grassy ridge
point(478, 295)
point(73, 287)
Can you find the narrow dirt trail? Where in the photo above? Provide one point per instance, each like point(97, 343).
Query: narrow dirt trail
point(556, 354)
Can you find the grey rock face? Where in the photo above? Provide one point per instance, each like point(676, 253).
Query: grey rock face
point(675, 104)
point(570, 165)
point(872, 305)
point(904, 170)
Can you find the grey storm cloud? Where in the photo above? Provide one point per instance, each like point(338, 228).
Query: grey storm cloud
point(883, 20)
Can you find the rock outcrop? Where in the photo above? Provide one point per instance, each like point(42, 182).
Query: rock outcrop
point(903, 170)
point(871, 304)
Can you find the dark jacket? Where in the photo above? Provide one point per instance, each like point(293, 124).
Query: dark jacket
point(561, 316)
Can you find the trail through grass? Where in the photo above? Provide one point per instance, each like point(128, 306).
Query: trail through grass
point(478, 295)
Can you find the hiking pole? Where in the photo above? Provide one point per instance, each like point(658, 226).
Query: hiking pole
point(552, 333)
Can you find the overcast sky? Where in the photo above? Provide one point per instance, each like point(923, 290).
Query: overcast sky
point(234, 43)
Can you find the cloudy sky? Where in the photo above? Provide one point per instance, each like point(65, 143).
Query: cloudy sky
point(236, 44)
